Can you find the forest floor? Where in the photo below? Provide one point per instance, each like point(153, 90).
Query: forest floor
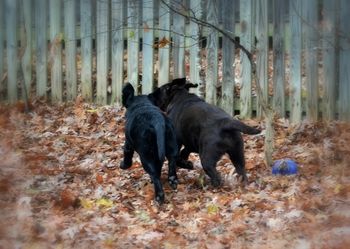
point(61, 187)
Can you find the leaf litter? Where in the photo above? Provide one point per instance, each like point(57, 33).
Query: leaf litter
point(61, 187)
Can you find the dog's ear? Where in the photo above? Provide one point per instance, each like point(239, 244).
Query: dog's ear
point(179, 81)
point(127, 94)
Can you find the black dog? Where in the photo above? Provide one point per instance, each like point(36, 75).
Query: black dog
point(151, 134)
point(203, 128)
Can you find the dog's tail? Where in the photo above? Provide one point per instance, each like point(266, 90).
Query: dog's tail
point(242, 127)
point(160, 137)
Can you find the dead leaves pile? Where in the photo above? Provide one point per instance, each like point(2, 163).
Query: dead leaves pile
point(61, 187)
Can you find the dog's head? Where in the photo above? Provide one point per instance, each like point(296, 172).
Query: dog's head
point(162, 96)
point(128, 94)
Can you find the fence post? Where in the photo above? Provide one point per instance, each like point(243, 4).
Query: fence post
point(246, 40)
point(102, 50)
point(179, 40)
point(295, 60)
point(164, 43)
point(2, 27)
point(147, 47)
point(11, 41)
point(329, 44)
point(55, 54)
point(228, 58)
point(27, 38)
point(195, 46)
point(278, 58)
point(310, 26)
point(86, 48)
point(70, 49)
point(211, 80)
point(344, 62)
point(133, 43)
point(117, 50)
point(262, 49)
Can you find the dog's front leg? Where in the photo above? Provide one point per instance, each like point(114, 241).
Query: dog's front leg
point(172, 177)
point(128, 153)
point(183, 159)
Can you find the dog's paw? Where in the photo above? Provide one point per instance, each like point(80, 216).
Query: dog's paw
point(216, 182)
point(124, 165)
point(184, 164)
point(173, 182)
point(160, 198)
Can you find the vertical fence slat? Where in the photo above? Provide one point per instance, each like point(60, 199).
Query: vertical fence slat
point(147, 47)
point(41, 47)
point(247, 41)
point(212, 54)
point(86, 48)
point(2, 27)
point(102, 50)
point(55, 50)
point(70, 48)
point(164, 47)
point(194, 43)
point(228, 57)
point(27, 37)
point(328, 45)
point(11, 41)
point(278, 58)
point(262, 49)
point(295, 61)
point(311, 57)
point(344, 62)
point(117, 50)
point(133, 42)
point(178, 41)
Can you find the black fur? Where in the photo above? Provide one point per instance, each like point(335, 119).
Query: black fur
point(203, 128)
point(151, 134)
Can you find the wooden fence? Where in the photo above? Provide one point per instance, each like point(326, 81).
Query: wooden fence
point(61, 49)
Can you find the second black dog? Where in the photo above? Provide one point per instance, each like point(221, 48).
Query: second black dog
point(203, 128)
point(151, 134)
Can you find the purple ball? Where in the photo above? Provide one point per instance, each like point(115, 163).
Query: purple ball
point(284, 167)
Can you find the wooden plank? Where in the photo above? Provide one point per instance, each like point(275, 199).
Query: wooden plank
point(344, 62)
point(86, 49)
point(102, 51)
point(228, 57)
point(310, 13)
point(147, 47)
point(194, 44)
point(211, 78)
point(117, 50)
point(41, 47)
point(27, 39)
point(329, 70)
point(246, 40)
point(70, 48)
point(56, 50)
point(262, 49)
point(278, 58)
point(178, 40)
point(133, 42)
point(295, 61)
point(164, 48)
point(11, 41)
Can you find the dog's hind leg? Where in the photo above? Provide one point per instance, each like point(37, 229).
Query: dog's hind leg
point(237, 157)
point(209, 158)
point(128, 153)
point(154, 170)
point(171, 152)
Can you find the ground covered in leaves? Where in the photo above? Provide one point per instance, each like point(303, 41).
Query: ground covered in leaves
point(61, 187)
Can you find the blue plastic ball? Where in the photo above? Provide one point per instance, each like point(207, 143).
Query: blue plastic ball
point(284, 167)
